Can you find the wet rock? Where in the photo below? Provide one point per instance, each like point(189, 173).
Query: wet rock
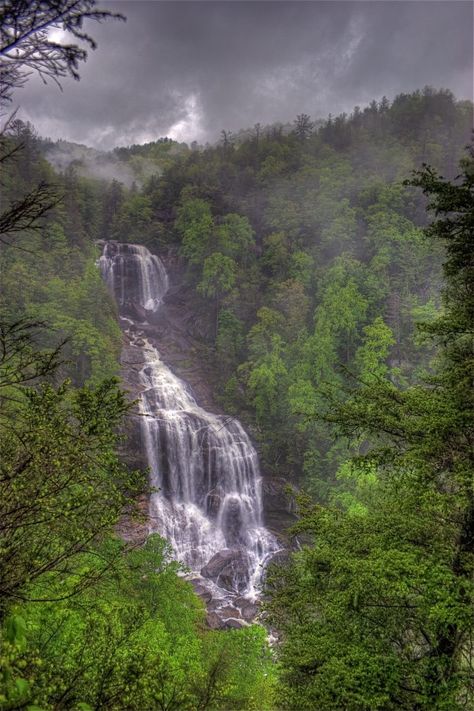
point(248, 608)
point(229, 568)
point(137, 312)
point(234, 624)
point(214, 621)
point(229, 611)
point(213, 503)
point(203, 593)
point(131, 358)
point(132, 526)
point(280, 557)
point(235, 576)
point(214, 605)
point(139, 342)
point(232, 519)
point(278, 504)
point(218, 563)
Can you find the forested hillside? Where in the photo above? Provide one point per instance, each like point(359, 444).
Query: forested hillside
point(329, 287)
point(303, 250)
point(307, 261)
point(87, 621)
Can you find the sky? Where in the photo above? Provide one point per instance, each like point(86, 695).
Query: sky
point(190, 69)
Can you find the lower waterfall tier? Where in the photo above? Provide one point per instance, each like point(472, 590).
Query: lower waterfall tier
point(205, 469)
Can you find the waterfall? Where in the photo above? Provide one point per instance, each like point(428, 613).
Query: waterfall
point(207, 499)
point(135, 276)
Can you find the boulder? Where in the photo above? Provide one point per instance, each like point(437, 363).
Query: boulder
point(134, 311)
point(229, 569)
point(248, 608)
point(214, 621)
point(229, 611)
point(234, 624)
point(217, 563)
point(203, 593)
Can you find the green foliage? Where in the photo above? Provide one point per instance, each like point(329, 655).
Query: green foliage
point(323, 234)
point(50, 275)
point(267, 383)
point(194, 223)
point(372, 355)
point(135, 641)
point(61, 483)
point(229, 341)
point(218, 275)
point(360, 609)
point(234, 236)
point(376, 609)
point(87, 622)
point(133, 219)
point(275, 256)
point(302, 267)
point(310, 269)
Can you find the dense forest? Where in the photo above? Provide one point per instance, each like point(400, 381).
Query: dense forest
point(328, 271)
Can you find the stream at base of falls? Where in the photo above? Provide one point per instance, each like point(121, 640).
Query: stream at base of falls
point(207, 489)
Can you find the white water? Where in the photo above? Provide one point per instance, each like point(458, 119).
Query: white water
point(204, 467)
point(134, 274)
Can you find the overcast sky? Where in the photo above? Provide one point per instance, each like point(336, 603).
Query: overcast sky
point(190, 69)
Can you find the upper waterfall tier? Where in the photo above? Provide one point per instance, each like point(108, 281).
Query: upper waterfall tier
point(135, 276)
point(208, 499)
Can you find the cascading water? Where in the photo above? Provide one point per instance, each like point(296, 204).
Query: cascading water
point(208, 499)
point(135, 276)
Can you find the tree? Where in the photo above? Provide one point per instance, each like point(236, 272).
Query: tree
point(25, 213)
point(292, 301)
point(194, 222)
point(377, 611)
point(371, 356)
point(134, 219)
point(234, 236)
point(227, 140)
point(135, 641)
point(218, 278)
point(342, 308)
point(60, 442)
point(302, 267)
point(303, 127)
point(229, 341)
point(25, 44)
point(112, 202)
point(267, 383)
point(61, 485)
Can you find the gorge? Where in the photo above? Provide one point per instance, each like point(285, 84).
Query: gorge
point(206, 485)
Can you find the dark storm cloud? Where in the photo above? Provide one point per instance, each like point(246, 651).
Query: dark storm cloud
point(189, 69)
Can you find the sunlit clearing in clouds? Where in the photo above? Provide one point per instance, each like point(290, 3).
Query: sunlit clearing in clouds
point(189, 128)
